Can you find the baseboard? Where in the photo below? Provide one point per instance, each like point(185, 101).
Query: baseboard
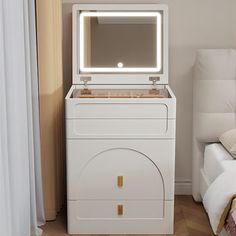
point(183, 187)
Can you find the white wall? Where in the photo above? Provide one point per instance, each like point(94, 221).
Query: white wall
point(194, 24)
point(233, 9)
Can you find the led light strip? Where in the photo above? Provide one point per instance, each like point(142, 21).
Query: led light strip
point(115, 69)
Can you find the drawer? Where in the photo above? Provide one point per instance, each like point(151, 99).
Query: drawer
point(117, 109)
point(103, 128)
point(117, 209)
point(147, 167)
point(118, 174)
point(139, 217)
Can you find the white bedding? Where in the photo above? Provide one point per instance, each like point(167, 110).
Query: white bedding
point(216, 161)
point(218, 199)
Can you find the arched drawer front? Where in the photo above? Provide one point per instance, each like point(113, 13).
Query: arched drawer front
point(120, 174)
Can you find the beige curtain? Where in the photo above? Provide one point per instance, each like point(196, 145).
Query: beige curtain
point(49, 36)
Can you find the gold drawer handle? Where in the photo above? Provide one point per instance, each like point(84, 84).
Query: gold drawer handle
point(120, 210)
point(120, 181)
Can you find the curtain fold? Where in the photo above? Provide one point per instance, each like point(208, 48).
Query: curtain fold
point(21, 199)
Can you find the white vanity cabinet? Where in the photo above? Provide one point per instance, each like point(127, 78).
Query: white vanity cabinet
point(120, 143)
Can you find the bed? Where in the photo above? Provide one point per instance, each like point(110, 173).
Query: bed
point(214, 112)
point(216, 160)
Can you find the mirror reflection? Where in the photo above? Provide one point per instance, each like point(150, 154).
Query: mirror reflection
point(120, 41)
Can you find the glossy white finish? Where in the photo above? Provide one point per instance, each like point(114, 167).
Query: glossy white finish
point(118, 109)
point(107, 138)
point(114, 77)
point(123, 146)
point(133, 209)
point(131, 137)
point(120, 128)
point(145, 217)
point(159, 154)
point(120, 68)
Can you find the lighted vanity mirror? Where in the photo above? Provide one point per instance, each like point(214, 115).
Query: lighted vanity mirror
point(120, 42)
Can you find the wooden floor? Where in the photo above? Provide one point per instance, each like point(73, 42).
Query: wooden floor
point(190, 220)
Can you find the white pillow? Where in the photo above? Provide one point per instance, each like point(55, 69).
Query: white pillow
point(228, 140)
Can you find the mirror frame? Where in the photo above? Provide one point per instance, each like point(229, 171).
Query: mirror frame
point(156, 69)
point(120, 75)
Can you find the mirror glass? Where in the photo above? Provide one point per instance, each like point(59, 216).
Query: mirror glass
point(120, 42)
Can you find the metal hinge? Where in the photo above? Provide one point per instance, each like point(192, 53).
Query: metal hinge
point(154, 80)
point(85, 79)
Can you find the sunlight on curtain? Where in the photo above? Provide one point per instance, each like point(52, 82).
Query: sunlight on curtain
point(21, 201)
